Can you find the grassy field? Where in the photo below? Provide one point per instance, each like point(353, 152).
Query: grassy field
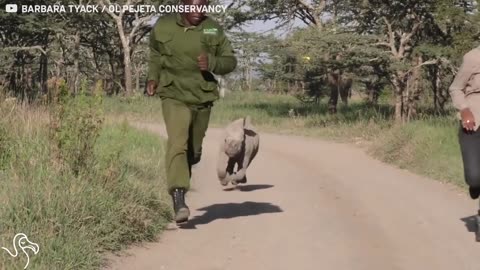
point(428, 146)
point(118, 197)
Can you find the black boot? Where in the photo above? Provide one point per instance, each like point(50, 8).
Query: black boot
point(474, 192)
point(180, 207)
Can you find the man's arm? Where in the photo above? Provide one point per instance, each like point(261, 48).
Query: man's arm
point(224, 61)
point(155, 59)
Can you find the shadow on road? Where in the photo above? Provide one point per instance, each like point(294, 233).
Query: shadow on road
point(230, 210)
point(248, 188)
point(471, 224)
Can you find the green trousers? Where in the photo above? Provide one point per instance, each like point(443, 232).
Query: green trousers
point(186, 127)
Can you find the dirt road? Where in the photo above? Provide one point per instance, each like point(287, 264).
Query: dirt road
point(304, 208)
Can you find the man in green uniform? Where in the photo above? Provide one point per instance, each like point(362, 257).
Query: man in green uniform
point(185, 51)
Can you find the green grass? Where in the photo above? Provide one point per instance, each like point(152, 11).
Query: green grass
point(120, 200)
point(134, 108)
point(428, 146)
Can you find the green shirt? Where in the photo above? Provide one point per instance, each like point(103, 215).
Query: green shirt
point(174, 49)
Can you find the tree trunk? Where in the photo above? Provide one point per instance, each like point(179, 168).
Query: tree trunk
point(127, 62)
point(339, 86)
point(137, 78)
point(398, 106)
point(345, 87)
point(332, 80)
point(128, 71)
point(249, 68)
point(43, 73)
point(113, 89)
point(435, 74)
point(442, 92)
point(243, 83)
point(414, 90)
point(317, 13)
point(76, 66)
point(373, 90)
point(399, 88)
point(442, 97)
point(28, 82)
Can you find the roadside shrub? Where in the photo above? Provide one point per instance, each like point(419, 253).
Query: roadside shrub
point(75, 125)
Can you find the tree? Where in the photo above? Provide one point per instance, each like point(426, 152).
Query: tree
point(131, 29)
point(331, 58)
point(402, 26)
point(452, 31)
point(314, 15)
point(250, 49)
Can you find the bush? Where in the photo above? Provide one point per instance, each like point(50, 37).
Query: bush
point(76, 125)
point(5, 148)
point(107, 197)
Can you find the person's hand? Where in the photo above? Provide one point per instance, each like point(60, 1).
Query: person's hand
point(202, 61)
point(151, 87)
point(468, 120)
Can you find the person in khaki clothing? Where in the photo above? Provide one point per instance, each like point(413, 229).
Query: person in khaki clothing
point(465, 93)
point(185, 51)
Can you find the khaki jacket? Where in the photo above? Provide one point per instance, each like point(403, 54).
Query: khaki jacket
point(174, 49)
point(465, 88)
point(467, 80)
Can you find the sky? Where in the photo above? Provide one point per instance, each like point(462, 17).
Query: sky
point(267, 27)
point(257, 26)
point(260, 26)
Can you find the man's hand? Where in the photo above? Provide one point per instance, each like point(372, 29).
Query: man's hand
point(468, 120)
point(202, 61)
point(151, 87)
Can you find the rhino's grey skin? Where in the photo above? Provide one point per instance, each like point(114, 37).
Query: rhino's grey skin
point(239, 146)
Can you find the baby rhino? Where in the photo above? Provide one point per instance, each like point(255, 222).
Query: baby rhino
point(239, 146)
